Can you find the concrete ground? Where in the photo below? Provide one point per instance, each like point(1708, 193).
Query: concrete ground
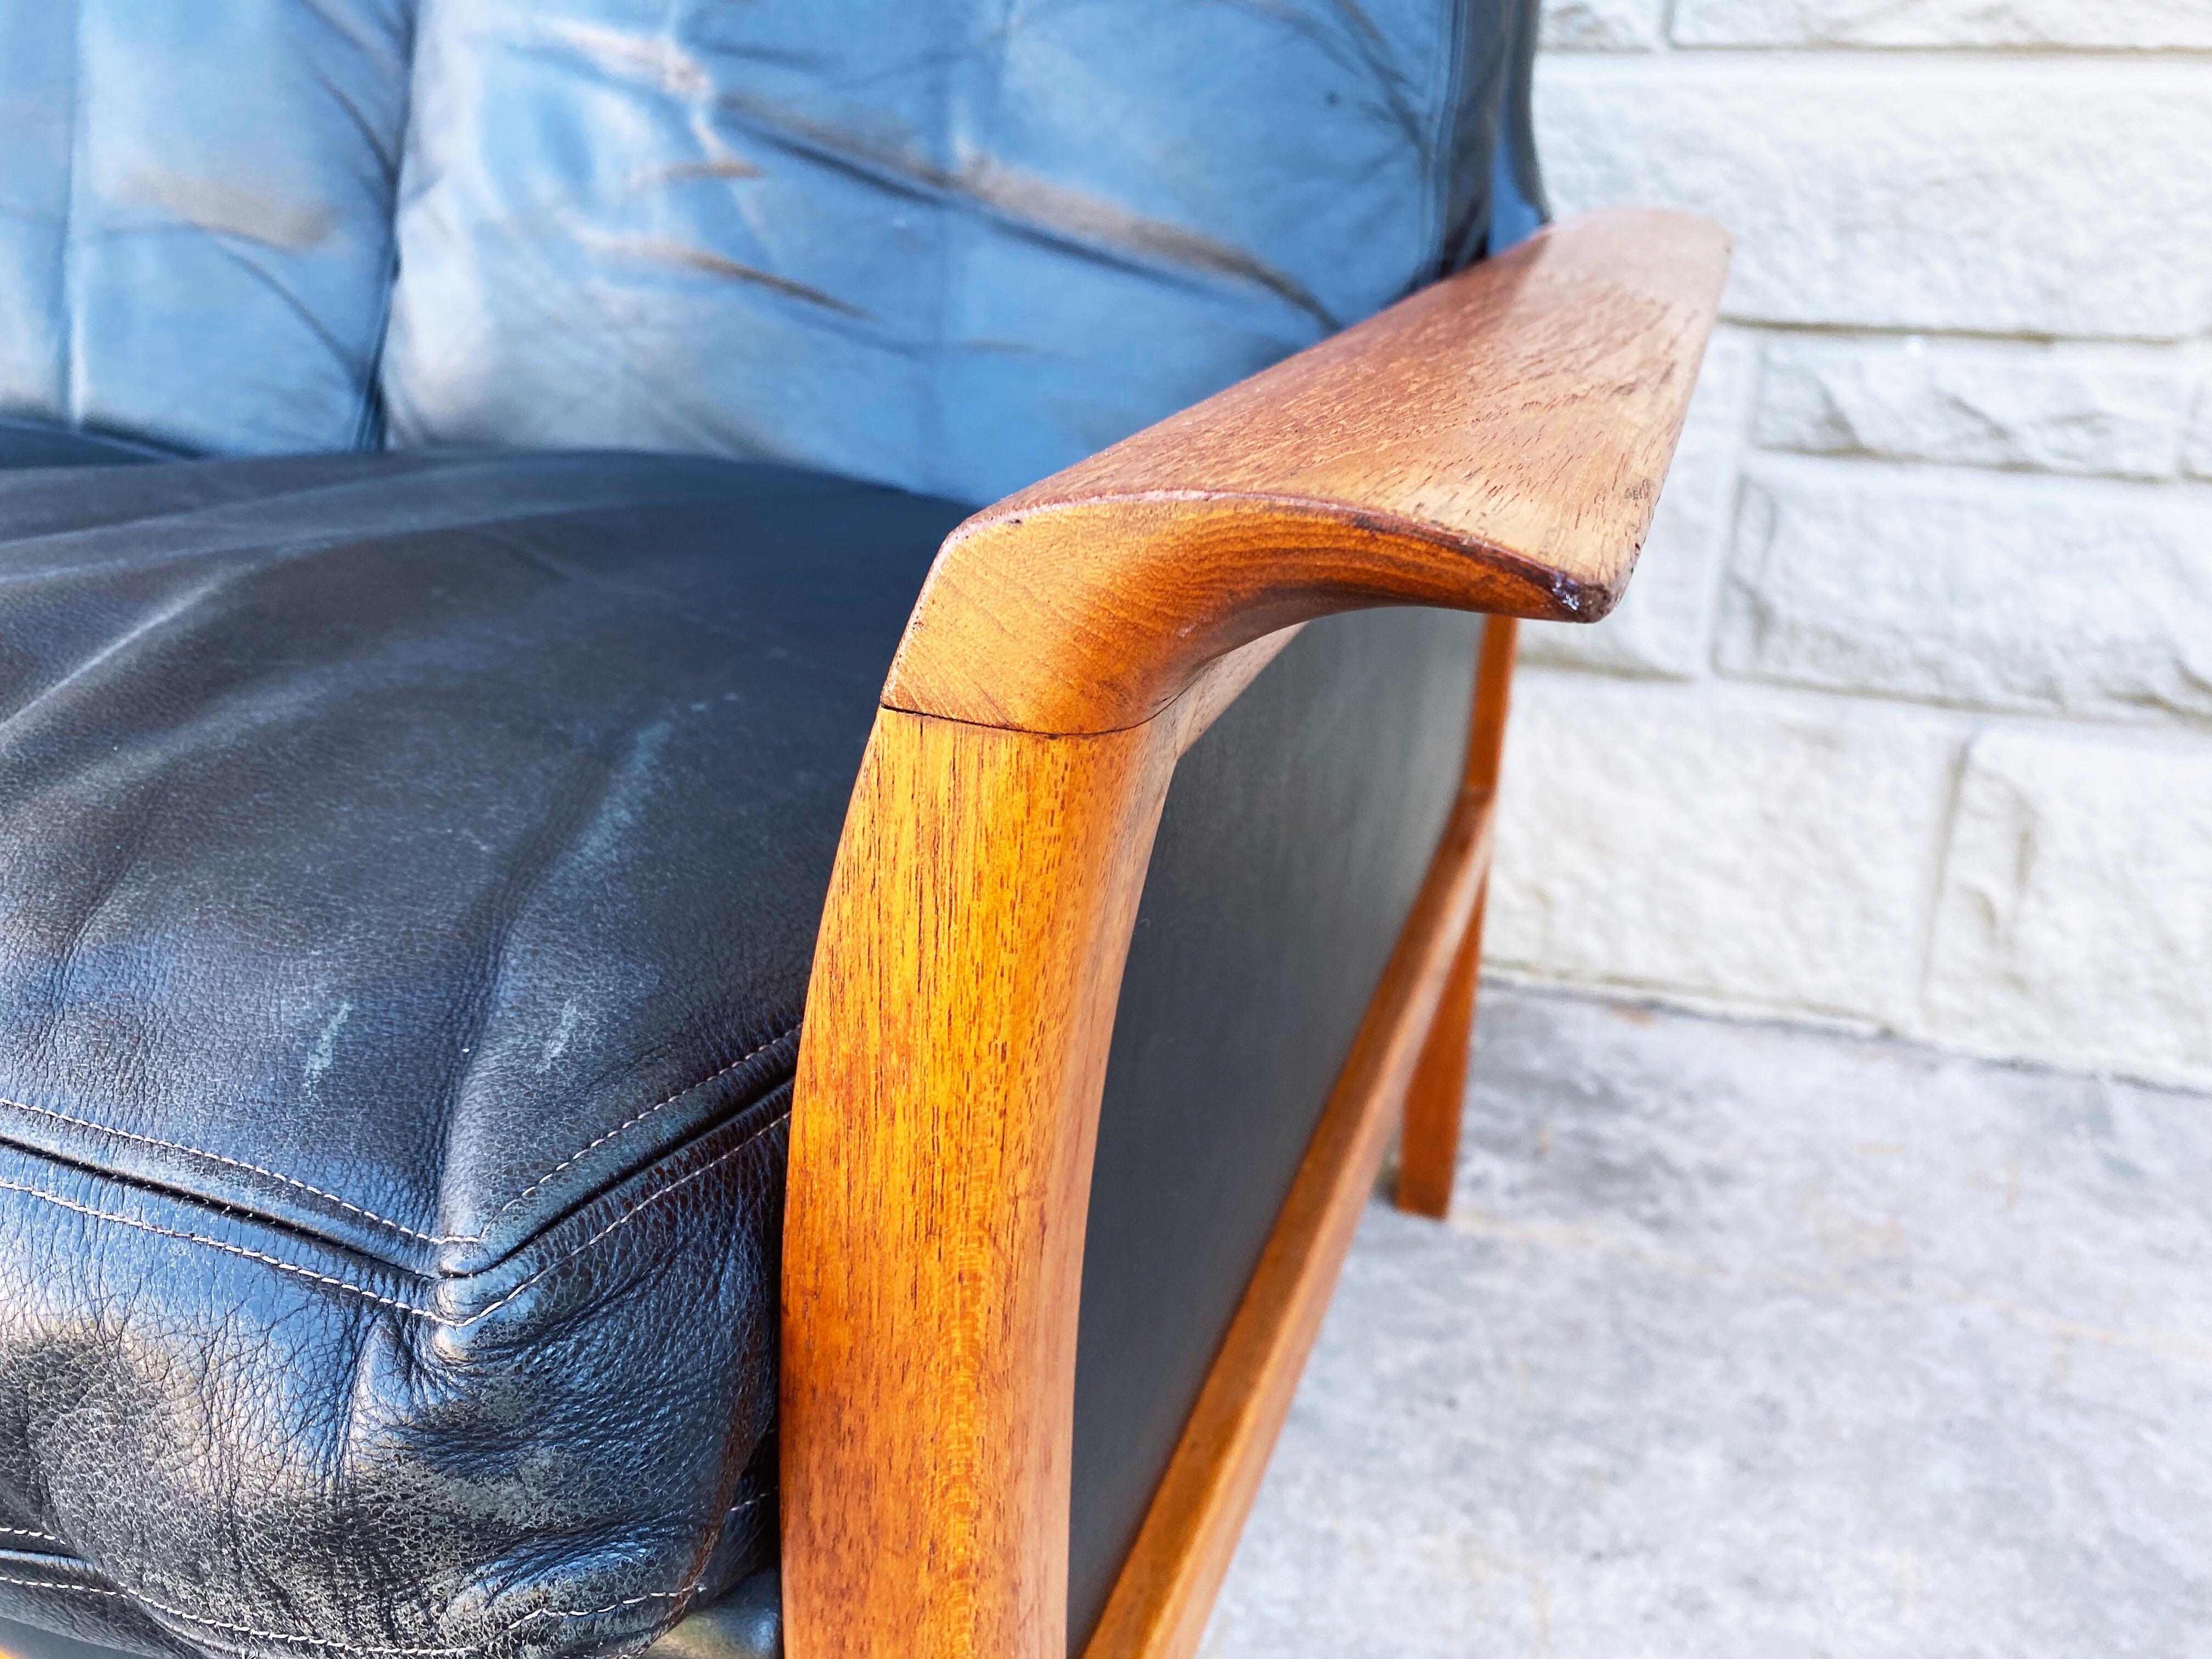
point(1752, 1340)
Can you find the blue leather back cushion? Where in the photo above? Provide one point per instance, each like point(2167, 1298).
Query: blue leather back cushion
point(951, 245)
point(195, 216)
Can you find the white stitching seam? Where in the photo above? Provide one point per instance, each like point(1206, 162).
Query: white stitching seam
point(371, 1215)
point(60, 1202)
point(355, 1647)
point(720, 1158)
point(26, 1532)
point(232, 1162)
point(352, 1288)
point(81, 1589)
point(586, 1151)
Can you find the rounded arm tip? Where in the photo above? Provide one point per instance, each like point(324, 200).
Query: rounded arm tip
point(1495, 442)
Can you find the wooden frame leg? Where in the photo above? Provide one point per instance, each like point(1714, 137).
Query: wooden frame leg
point(1428, 1149)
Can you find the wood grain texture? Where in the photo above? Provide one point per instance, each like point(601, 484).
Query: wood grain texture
point(1496, 442)
point(1428, 1157)
point(946, 1107)
point(1222, 682)
point(1167, 1587)
point(1428, 1144)
point(1493, 702)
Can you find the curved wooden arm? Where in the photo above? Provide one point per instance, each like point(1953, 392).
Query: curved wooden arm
point(945, 1110)
point(1496, 442)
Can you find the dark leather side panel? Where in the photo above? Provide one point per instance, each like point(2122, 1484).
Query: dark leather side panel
point(1296, 834)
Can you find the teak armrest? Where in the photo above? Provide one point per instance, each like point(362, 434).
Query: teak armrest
point(1497, 443)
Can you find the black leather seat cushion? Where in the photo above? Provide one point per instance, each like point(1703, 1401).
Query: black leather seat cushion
point(37, 443)
point(409, 874)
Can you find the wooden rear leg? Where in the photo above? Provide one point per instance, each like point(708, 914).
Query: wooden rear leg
point(1429, 1148)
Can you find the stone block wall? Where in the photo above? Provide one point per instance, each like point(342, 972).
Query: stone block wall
point(1907, 722)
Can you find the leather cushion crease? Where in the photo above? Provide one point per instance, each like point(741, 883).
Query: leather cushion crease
point(402, 944)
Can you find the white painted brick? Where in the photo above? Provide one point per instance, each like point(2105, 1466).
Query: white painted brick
point(2086, 598)
point(2075, 921)
point(2196, 447)
point(2059, 409)
point(1719, 842)
point(1601, 24)
point(1661, 628)
point(1992, 197)
point(2107, 24)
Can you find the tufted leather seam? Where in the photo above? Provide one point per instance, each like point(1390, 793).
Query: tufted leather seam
point(370, 1215)
point(366, 1294)
point(587, 1150)
point(504, 1632)
point(81, 1589)
point(624, 1219)
point(232, 1162)
point(347, 1285)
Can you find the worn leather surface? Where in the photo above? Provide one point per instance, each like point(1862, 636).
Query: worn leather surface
point(947, 245)
point(952, 245)
point(196, 198)
point(411, 872)
point(19, 1641)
